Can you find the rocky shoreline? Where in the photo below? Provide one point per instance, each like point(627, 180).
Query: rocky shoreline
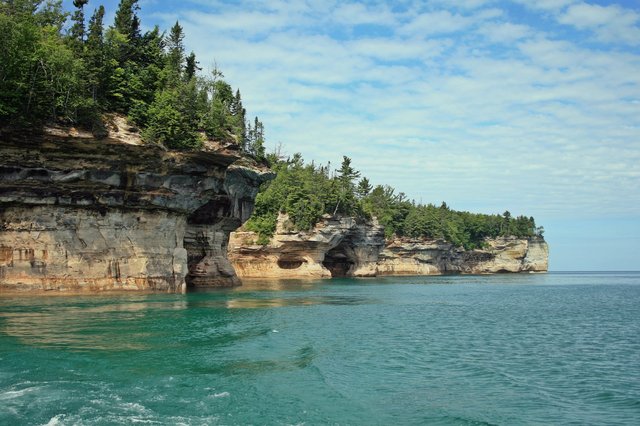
point(81, 214)
point(78, 215)
point(339, 247)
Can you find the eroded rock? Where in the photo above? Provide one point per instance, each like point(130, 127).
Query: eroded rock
point(347, 247)
point(81, 214)
point(432, 257)
point(334, 247)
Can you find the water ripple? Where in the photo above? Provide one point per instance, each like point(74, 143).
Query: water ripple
point(543, 349)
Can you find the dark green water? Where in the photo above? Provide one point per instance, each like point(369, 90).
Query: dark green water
point(468, 350)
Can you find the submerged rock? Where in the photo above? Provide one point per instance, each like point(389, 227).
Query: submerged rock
point(82, 214)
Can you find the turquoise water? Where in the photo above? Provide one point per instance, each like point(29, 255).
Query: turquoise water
point(559, 348)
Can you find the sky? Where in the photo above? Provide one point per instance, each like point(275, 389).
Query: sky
point(531, 106)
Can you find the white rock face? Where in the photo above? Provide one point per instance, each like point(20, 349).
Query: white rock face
point(345, 247)
point(335, 247)
point(48, 247)
point(429, 257)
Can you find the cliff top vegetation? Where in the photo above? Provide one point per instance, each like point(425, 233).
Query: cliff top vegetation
point(60, 67)
point(306, 192)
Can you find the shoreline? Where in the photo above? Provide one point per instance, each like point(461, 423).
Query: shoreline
point(268, 281)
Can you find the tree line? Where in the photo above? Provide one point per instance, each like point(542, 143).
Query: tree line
point(60, 67)
point(57, 66)
point(306, 192)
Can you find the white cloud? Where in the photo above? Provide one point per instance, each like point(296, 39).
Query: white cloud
point(545, 5)
point(358, 13)
point(463, 4)
point(439, 22)
point(458, 104)
point(505, 32)
point(610, 23)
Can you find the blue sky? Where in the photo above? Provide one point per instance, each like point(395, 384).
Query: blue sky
point(522, 105)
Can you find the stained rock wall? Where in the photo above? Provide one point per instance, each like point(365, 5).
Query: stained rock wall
point(428, 257)
point(81, 214)
point(335, 247)
point(347, 247)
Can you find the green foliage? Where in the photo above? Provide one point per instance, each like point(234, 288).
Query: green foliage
point(175, 56)
point(306, 192)
point(254, 143)
point(40, 78)
point(264, 226)
point(126, 22)
point(74, 76)
point(168, 124)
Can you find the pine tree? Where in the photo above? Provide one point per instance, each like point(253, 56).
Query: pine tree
point(126, 20)
point(239, 114)
point(95, 54)
point(175, 47)
point(346, 176)
point(191, 67)
point(364, 187)
point(77, 31)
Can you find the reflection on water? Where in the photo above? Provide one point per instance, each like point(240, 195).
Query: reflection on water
point(431, 350)
point(107, 322)
point(267, 303)
point(298, 301)
point(275, 284)
point(80, 323)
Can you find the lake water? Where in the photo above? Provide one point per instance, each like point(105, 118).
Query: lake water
point(558, 348)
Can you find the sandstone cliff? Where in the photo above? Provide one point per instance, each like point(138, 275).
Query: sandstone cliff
point(82, 214)
point(346, 247)
point(335, 247)
point(427, 257)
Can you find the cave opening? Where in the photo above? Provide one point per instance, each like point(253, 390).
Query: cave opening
point(339, 261)
point(288, 263)
point(202, 242)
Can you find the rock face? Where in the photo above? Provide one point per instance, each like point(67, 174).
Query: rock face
point(346, 247)
point(81, 214)
point(427, 257)
point(335, 247)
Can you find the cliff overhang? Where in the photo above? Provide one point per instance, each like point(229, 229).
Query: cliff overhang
point(345, 246)
point(83, 214)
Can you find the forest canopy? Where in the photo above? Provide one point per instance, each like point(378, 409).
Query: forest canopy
point(306, 192)
point(65, 67)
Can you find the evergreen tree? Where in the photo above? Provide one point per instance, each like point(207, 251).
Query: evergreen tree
point(126, 21)
point(95, 55)
point(239, 120)
point(346, 177)
point(40, 75)
point(175, 46)
point(77, 31)
point(364, 187)
point(256, 147)
point(168, 124)
point(191, 67)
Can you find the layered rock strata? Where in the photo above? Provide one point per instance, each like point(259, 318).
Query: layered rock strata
point(347, 247)
point(429, 257)
point(81, 214)
point(335, 247)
